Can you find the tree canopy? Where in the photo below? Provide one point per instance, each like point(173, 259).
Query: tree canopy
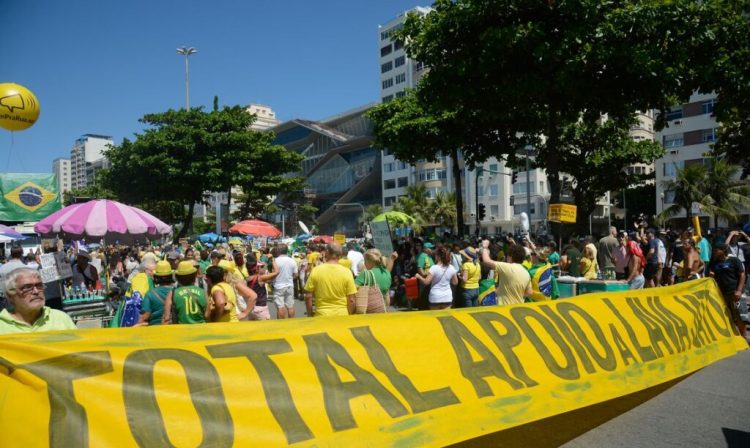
point(185, 153)
point(504, 74)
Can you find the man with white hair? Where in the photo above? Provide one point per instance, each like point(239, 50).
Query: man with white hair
point(26, 312)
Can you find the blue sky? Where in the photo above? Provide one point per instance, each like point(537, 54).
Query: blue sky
point(98, 66)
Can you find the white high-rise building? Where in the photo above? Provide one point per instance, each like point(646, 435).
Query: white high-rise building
point(266, 117)
point(86, 158)
point(61, 169)
point(397, 73)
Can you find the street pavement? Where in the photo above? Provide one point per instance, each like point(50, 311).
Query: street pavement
point(710, 408)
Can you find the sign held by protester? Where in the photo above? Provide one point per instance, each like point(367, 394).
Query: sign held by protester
point(339, 238)
point(381, 237)
point(54, 266)
point(339, 381)
point(565, 213)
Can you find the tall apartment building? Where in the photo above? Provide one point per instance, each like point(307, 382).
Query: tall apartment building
point(398, 72)
point(86, 158)
point(61, 169)
point(266, 117)
point(643, 131)
point(687, 138)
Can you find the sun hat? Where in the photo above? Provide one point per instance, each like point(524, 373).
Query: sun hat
point(428, 245)
point(186, 268)
point(163, 269)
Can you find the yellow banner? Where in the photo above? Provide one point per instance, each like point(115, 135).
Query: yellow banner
point(562, 213)
point(406, 379)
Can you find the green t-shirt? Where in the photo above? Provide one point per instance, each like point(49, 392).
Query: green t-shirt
point(382, 278)
point(425, 262)
point(154, 303)
point(203, 265)
point(191, 303)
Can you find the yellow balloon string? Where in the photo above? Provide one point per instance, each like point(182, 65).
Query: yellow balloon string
point(10, 150)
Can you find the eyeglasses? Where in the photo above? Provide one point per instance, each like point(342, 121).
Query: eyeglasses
point(25, 289)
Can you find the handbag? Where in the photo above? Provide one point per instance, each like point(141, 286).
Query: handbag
point(369, 299)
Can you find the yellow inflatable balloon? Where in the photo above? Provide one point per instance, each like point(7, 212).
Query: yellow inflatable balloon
point(19, 108)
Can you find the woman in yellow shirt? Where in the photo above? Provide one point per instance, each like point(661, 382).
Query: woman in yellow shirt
point(589, 266)
point(472, 273)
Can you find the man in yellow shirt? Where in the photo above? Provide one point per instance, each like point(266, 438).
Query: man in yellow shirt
point(514, 280)
point(331, 285)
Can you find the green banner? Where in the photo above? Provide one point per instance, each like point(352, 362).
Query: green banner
point(28, 196)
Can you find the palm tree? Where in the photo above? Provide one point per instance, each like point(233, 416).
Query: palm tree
point(688, 187)
point(415, 204)
point(725, 194)
point(443, 209)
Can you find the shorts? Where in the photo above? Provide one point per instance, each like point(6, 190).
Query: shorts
point(732, 305)
point(649, 272)
point(260, 313)
point(637, 282)
point(284, 297)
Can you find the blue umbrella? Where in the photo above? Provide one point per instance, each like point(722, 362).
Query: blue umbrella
point(211, 237)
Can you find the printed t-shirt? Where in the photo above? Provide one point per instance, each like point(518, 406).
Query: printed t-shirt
point(474, 274)
point(332, 285)
point(190, 302)
point(727, 274)
point(154, 303)
point(231, 299)
point(425, 261)
point(513, 280)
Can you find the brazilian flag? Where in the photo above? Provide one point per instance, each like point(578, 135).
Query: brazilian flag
point(28, 196)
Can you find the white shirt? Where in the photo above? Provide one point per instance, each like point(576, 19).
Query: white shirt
point(356, 258)
point(441, 283)
point(736, 250)
point(287, 270)
point(661, 252)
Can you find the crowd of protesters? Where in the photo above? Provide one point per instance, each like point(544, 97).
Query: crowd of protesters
point(187, 284)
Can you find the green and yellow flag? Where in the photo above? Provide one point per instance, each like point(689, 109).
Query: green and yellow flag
point(28, 196)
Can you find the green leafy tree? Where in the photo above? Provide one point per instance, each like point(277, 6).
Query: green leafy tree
point(371, 211)
point(185, 153)
point(725, 194)
point(595, 153)
point(688, 187)
point(442, 209)
point(415, 203)
point(506, 74)
point(414, 134)
point(94, 191)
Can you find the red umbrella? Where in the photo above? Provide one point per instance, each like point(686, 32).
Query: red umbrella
point(255, 227)
point(322, 239)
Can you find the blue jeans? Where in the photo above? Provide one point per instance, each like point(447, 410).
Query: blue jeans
point(471, 296)
point(637, 282)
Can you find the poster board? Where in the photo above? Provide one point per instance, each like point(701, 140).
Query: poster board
point(54, 266)
point(381, 237)
point(339, 238)
point(565, 213)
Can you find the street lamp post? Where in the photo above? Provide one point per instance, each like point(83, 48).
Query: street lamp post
point(187, 51)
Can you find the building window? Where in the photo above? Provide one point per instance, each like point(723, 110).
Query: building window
point(674, 114)
point(390, 200)
point(493, 167)
point(401, 77)
point(432, 174)
point(420, 66)
point(670, 168)
point(709, 135)
point(385, 51)
point(520, 188)
point(387, 98)
point(388, 83)
point(400, 94)
point(493, 190)
point(398, 44)
point(401, 165)
point(389, 184)
point(403, 182)
point(399, 61)
point(673, 141)
point(494, 211)
point(480, 190)
point(388, 66)
point(707, 107)
point(520, 208)
point(388, 167)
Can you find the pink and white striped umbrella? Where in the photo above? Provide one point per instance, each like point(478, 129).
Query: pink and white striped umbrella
point(102, 218)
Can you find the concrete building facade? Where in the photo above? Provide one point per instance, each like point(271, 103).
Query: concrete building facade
point(86, 158)
point(61, 169)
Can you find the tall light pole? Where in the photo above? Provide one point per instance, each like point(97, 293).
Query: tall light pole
point(187, 51)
